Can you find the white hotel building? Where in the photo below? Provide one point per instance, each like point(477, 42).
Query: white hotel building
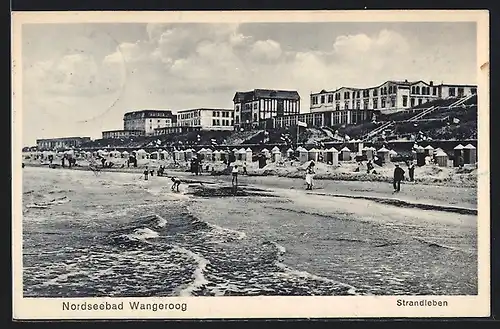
point(206, 119)
point(391, 96)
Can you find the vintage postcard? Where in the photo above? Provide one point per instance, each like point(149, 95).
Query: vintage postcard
point(301, 164)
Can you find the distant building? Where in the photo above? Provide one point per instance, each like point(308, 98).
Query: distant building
point(148, 120)
point(206, 119)
point(323, 118)
point(122, 133)
point(391, 96)
point(258, 105)
point(61, 143)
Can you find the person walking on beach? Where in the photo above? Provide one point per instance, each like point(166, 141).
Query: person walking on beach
point(398, 177)
point(369, 166)
point(175, 185)
point(245, 168)
point(234, 181)
point(411, 171)
point(146, 173)
point(310, 176)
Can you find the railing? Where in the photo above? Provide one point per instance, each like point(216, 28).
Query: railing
point(417, 117)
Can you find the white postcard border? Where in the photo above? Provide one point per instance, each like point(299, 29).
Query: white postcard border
point(259, 307)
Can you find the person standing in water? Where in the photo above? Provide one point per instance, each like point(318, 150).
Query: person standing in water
point(398, 177)
point(146, 173)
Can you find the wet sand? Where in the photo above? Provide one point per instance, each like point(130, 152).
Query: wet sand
point(115, 234)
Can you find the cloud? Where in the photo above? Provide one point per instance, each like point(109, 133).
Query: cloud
point(74, 74)
point(268, 50)
point(193, 65)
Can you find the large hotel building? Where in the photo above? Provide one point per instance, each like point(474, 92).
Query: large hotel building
point(260, 105)
point(142, 123)
point(348, 105)
point(391, 96)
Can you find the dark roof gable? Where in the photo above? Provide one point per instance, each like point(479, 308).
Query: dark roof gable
point(265, 93)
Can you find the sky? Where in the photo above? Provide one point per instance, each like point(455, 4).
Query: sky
point(79, 79)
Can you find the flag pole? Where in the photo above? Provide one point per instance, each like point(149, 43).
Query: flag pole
point(298, 128)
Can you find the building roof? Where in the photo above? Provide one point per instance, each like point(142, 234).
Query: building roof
point(120, 130)
point(396, 82)
point(266, 93)
point(62, 139)
point(205, 109)
point(149, 111)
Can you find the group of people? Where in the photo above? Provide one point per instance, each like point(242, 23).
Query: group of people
point(160, 172)
point(399, 175)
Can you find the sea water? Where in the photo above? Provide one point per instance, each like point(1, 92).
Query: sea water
point(117, 235)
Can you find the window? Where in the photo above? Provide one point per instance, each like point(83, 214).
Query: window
point(337, 106)
point(357, 95)
point(322, 99)
point(330, 98)
point(375, 92)
point(473, 91)
point(255, 117)
point(405, 101)
point(358, 104)
point(434, 91)
point(232, 114)
point(412, 90)
point(382, 103)
point(255, 106)
point(393, 101)
point(420, 101)
point(237, 108)
point(417, 90)
point(390, 89)
point(346, 105)
point(460, 92)
point(214, 113)
point(337, 96)
point(375, 103)
point(232, 122)
point(365, 104)
point(452, 91)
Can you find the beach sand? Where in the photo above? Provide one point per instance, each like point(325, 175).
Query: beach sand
point(115, 234)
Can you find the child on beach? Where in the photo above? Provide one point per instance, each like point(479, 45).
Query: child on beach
point(309, 176)
point(175, 185)
point(245, 168)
